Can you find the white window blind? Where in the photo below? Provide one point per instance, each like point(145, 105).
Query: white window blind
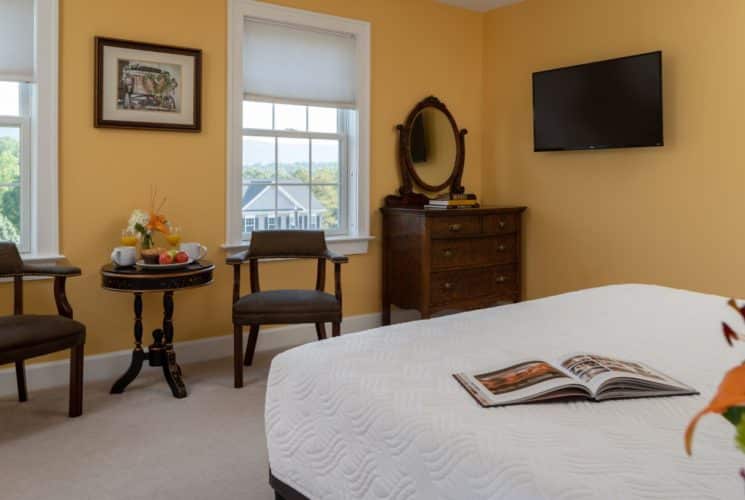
point(296, 64)
point(17, 40)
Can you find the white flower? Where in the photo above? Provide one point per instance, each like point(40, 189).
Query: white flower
point(138, 217)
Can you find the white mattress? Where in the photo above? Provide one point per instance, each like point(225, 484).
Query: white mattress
point(377, 415)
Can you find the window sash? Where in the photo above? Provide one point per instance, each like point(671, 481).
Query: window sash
point(342, 136)
point(23, 123)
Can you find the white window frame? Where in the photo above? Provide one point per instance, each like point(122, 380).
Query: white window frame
point(38, 156)
point(358, 181)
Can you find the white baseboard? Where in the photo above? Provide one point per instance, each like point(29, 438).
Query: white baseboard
point(111, 365)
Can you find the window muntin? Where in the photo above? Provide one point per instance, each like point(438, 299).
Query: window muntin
point(15, 164)
point(295, 168)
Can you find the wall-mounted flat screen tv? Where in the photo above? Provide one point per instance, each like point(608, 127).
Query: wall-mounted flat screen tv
point(607, 104)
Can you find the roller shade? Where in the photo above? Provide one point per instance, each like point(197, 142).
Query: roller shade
point(288, 63)
point(17, 40)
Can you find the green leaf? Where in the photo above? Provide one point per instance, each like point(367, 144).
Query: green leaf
point(740, 436)
point(139, 227)
point(734, 414)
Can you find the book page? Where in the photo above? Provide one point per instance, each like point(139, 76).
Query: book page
point(595, 370)
point(586, 368)
point(517, 383)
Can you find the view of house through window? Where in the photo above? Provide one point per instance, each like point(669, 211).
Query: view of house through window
point(11, 131)
point(294, 167)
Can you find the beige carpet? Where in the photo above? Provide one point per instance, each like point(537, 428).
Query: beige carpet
point(143, 444)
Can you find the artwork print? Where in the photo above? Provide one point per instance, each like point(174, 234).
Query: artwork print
point(149, 86)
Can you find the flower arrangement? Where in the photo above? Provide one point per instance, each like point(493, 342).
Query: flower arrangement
point(145, 223)
point(729, 401)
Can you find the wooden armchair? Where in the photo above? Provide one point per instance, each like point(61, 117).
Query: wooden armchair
point(283, 306)
point(24, 336)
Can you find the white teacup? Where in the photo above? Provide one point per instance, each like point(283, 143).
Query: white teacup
point(195, 251)
point(124, 256)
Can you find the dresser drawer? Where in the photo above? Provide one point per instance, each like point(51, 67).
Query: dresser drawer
point(467, 252)
point(453, 286)
point(464, 225)
point(500, 224)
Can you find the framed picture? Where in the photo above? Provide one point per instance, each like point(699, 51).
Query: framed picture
point(147, 86)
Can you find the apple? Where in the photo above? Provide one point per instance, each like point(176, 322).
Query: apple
point(181, 257)
point(165, 258)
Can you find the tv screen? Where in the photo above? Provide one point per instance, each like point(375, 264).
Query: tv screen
point(607, 104)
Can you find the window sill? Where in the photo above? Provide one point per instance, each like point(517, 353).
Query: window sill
point(38, 258)
point(345, 245)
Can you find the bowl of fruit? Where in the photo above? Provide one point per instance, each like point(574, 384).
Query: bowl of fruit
point(167, 259)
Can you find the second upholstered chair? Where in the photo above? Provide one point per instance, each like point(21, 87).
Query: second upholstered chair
point(24, 336)
point(283, 306)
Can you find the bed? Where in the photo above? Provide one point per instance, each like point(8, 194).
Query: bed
point(377, 415)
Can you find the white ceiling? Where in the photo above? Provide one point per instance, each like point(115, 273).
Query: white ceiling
point(479, 5)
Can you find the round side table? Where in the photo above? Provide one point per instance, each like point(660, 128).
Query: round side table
point(160, 352)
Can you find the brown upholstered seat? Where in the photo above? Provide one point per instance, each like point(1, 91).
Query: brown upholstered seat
point(283, 306)
point(24, 336)
point(26, 330)
point(287, 306)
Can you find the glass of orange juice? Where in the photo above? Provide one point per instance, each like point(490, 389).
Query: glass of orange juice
point(174, 236)
point(129, 238)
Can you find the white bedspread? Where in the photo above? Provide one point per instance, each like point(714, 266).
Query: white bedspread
point(377, 415)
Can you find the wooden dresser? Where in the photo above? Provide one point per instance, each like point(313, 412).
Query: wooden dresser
point(435, 260)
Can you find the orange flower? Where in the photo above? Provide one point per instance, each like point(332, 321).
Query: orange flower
point(158, 223)
point(731, 393)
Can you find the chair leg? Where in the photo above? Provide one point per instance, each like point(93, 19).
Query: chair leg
point(253, 336)
point(335, 329)
point(321, 331)
point(77, 354)
point(21, 381)
point(238, 356)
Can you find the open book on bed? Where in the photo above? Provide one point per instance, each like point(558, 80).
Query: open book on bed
point(575, 375)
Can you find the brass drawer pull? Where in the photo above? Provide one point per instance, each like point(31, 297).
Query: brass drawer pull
point(502, 224)
point(454, 228)
point(501, 279)
point(501, 248)
point(448, 252)
point(448, 286)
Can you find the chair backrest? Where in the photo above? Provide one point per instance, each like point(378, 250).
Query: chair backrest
point(278, 244)
point(10, 259)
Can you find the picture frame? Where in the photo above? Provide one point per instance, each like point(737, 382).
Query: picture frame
point(147, 86)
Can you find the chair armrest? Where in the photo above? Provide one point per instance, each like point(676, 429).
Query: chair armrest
point(237, 258)
point(50, 270)
point(335, 257)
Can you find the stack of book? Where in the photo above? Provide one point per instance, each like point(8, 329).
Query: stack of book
point(464, 200)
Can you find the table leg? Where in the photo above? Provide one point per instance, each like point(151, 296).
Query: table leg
point(138, 355)
point(171, 369)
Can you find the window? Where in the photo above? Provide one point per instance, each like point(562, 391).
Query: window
point(294, 161)
point(249, 224)
point(299, 124)
point(14, 164)
point(28, 127)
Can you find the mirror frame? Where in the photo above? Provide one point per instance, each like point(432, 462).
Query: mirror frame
point(409, 176)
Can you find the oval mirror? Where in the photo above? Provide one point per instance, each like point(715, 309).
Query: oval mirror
point(433, 147)
point(431, 154)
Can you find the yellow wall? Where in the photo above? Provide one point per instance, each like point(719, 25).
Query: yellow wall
point(670, 215)
point(418, 48)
